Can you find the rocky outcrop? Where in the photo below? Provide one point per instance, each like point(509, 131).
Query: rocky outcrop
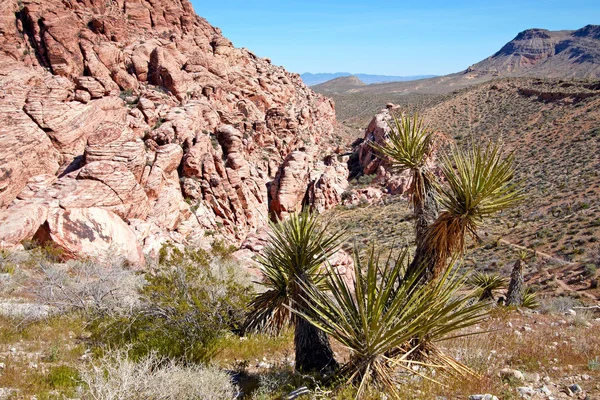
point(376, 132)
point(544, 53)
point(20, 222)
point(303, 180)
point(143, 110)
point(90, 232)
point(372, 163)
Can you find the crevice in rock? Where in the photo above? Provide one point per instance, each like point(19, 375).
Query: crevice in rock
point(46, 130)
point(108, 186)
point(28, 30)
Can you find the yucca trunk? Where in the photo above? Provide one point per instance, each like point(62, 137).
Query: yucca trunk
point(313, 351)
point(514, 297)
point(426, 212)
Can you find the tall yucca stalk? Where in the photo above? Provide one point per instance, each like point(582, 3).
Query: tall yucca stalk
point(480, 182)
point(409, 146)
point(290, 262)
point(388, 322)
point(516, 288)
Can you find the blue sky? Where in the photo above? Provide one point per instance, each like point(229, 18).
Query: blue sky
point(386, 37)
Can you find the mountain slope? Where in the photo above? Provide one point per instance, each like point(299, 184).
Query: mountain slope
point(543, 53)
point(534, 53)
point(340, 85)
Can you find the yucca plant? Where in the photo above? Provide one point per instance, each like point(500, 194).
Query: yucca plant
point(530, 299)
point(291, 262)
point(388, 323)
point(516, 288)
point(410, 145)
point(479, 183)
point(486, 284)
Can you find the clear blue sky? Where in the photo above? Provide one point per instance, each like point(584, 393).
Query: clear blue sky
point(386, 37)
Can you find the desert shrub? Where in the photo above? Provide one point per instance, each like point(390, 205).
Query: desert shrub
point(186, 304)
point(559, 305)
point(7, 262)
point(63, 376)
point(116, 376)
point(95, 288)
point(222, 249)
point(590, 270)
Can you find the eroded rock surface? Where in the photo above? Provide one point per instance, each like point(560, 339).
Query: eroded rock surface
point(145, 111)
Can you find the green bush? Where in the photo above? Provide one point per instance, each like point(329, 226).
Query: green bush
point(63, 376)
point(186, 304)
point(590, 270)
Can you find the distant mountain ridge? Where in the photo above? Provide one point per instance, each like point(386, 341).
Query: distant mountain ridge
point(546, 54)
point(537, 53)
point(311, 79)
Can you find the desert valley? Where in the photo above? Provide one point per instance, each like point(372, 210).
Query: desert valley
point(183, 219)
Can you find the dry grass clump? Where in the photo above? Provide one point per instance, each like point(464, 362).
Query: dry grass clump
point(115, 376)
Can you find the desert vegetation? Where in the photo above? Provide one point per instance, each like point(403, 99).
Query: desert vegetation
point(99, 330)
point(117, 346)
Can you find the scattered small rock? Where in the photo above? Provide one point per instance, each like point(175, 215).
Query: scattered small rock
point(545, 391)
point(511, 373)
point(534, 378)
point(525, 391)
point(486, 396)
point(575, 388)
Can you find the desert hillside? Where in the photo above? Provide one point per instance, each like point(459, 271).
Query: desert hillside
point(182, 219)
point(552, 125)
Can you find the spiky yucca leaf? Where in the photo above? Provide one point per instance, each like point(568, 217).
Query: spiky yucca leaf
point(485, 284)
point(379, 319)
point(296, 250)
point(480, 182)
point(409, 146)
point(530, 299)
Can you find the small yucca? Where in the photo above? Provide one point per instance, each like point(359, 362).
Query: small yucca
point(387, 322)
point(290, 262)
point(486, 284)
point(530, 299)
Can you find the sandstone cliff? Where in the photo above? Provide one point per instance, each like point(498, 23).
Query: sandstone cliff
point(142, 112)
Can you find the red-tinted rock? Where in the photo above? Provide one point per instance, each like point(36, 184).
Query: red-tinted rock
point(90, 232)
point(20, 222)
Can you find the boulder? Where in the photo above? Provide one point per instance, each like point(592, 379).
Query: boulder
point(21, 222)
point(90, 232)
point(289, 187)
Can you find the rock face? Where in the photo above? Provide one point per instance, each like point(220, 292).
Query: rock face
point(371, 164)
point(539, 52)
point(144, 113)
point(303, 181)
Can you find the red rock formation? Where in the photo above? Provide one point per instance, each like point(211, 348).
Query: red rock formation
point(142, 109)
point(81, 232)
